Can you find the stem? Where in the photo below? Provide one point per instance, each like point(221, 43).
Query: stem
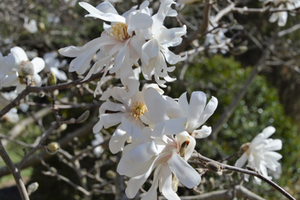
point(245, 171)
point(15, 172)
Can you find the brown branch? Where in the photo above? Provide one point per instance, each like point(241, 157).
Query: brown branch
point(29, 90)
point(239, 191)
point(199, 32)
point(15, 172)
point(244, 171)
point(36, 159)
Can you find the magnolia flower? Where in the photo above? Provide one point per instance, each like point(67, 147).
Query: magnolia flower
point(260, 154)
point(166, 155)
point(111, 113)
point(196, 112)
point(118, 44)
point(281, 17)
point(52, 64)
point(155, 52)
point(98, 140)
point(7, 74)
point(12, 116)
point(217, 37)
point(27, 70)
point(30, 26)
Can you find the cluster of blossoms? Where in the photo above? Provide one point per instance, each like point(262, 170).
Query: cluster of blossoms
point(281, 16)
point(134, 36)
point(155, 132)
point(18, 71)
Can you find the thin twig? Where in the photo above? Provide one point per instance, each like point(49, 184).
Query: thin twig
point(244, 171)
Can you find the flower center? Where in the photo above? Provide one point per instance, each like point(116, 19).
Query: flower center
point(138, 109)
point(119, 31)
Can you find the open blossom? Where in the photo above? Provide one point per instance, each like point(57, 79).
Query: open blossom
point(118, 44)
point(111, 113)
point(27, 70)
point(260, 153)
point(52, 64)
point(196, 111)
point(155, 52)
point(166, 154)
point(281, 17)
point(30, 26)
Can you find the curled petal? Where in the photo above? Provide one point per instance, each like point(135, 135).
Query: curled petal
point(186, 174)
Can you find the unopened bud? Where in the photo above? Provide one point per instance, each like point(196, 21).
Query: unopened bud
point(110, 174)
point(32, 188)
point(83, 117)
point(239, 50)
point(41, 93)
point(213, 167)
point(52, 148)
point(51, 79)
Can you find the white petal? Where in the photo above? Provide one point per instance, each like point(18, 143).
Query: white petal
point(241, 161)
point(156, 105)
point(117, 141)
point(169, 127)
point(273, 145)
point(186, 174)
point(195, 109)
point(39, 64)
point(139, 21)
point(204, 132)
point(94, 12)
point(19, 54)
point(209, 110)
point(166, 184)
point(268, 131)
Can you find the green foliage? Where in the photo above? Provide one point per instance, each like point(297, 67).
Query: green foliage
point(223, 77)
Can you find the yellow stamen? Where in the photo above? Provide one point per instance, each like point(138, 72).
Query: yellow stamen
point(119, 31)
point(138, 109)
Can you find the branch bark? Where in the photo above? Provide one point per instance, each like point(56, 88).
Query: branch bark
point(15, 172)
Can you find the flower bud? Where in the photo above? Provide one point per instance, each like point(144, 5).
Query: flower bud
point(32, 188)
point(51, 79)
point(52, 148)
point(213, 167)
point(41, 94)
point(83, 117)
point(110, 174)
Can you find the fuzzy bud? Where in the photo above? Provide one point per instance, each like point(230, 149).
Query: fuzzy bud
point(51, 79)
point(52, 148)
point(32, 188)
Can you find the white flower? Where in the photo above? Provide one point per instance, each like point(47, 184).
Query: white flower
point(166, 155)
point(197, 111)
point(123, 106)
point(118, 45)
point(27, 70)
point(155, 52)
point(281, 17)
point(30, 26)
point(7, 74)
point(98, 140)
point(52, 64)
point(12, 116)
point(260, 154)
point(216, 37)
